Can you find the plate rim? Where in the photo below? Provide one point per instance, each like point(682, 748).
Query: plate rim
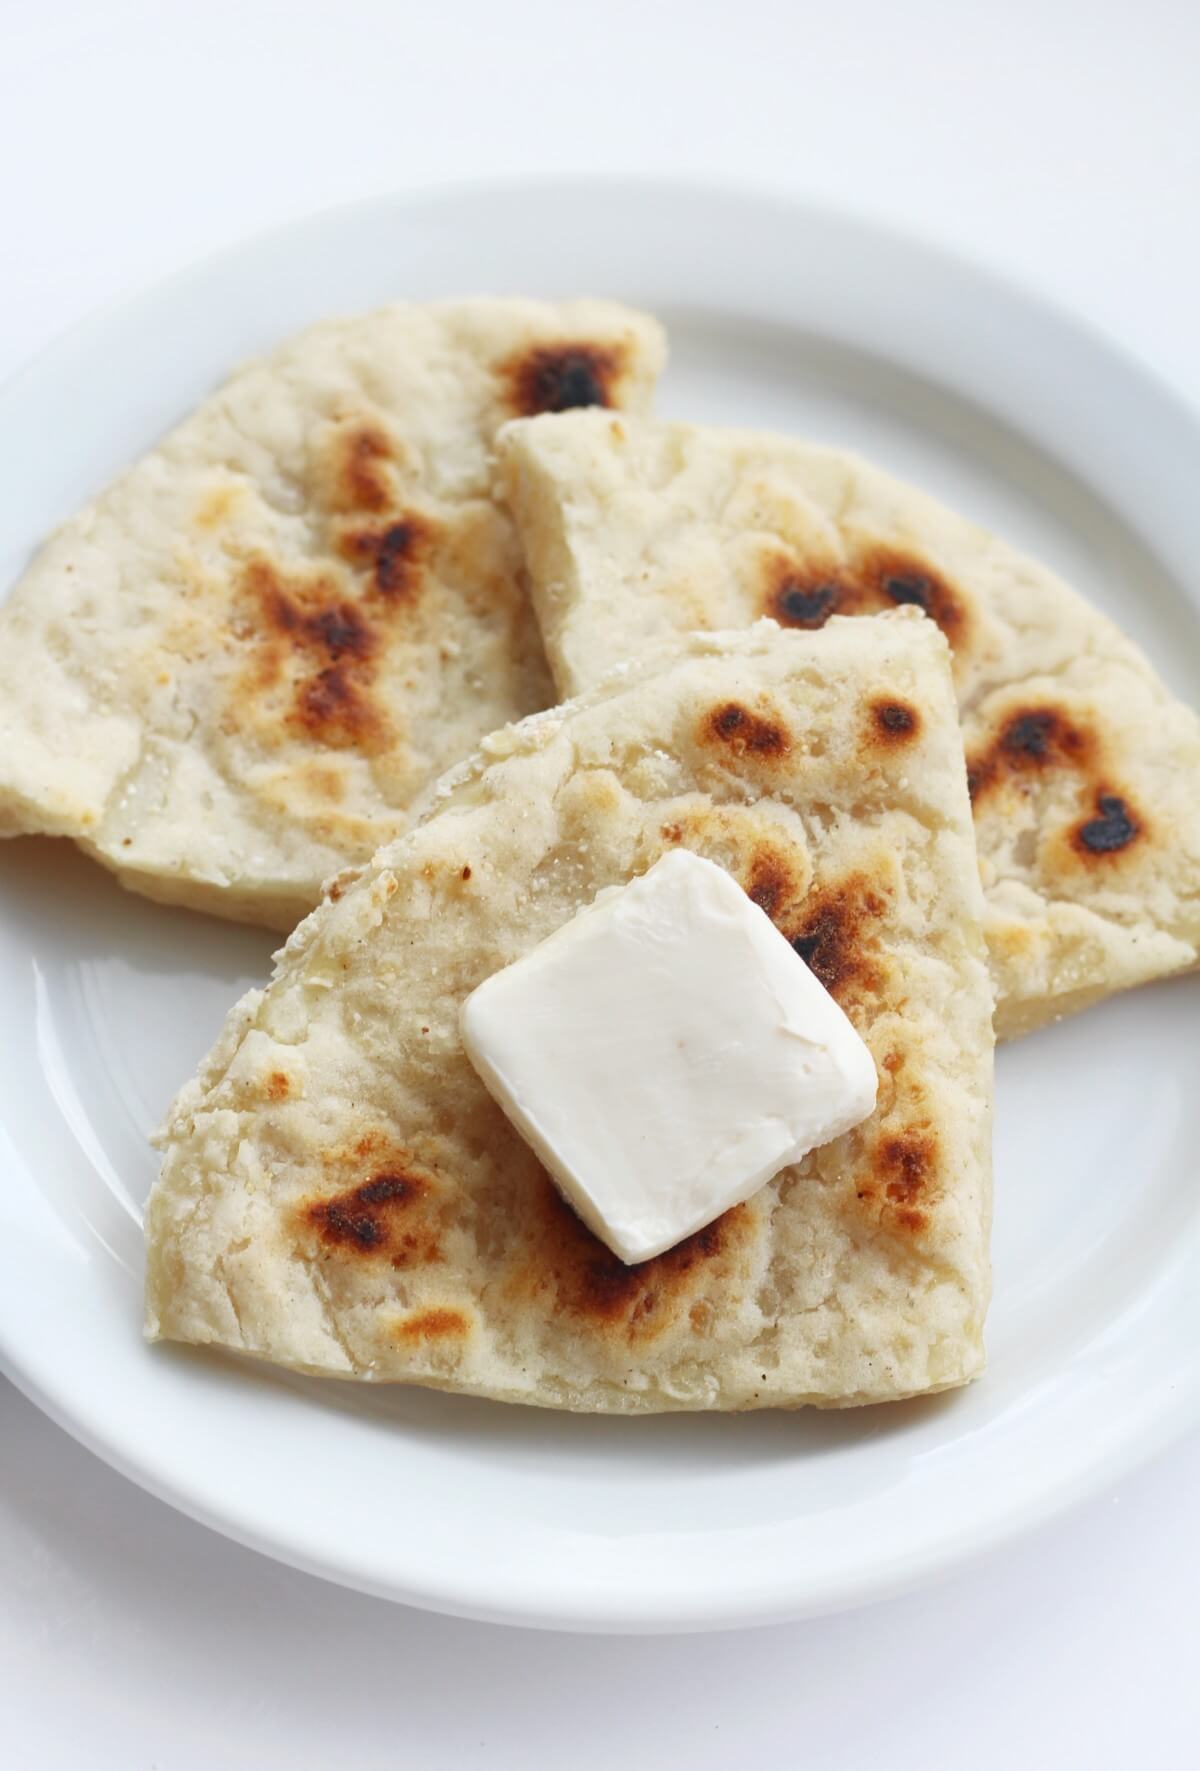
point(650, 1615)
point(797, 206)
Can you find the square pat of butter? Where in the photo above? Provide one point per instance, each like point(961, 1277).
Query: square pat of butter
point(666, 1053)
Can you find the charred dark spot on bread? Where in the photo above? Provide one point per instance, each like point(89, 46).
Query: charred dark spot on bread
point(892, 723)
point(774, 880)
point(362, 1217)
point(360, 477)
point(328, 699)
point(574, 1274)
point(902, 1182)
point(337, 629)
point(561, 377)
point(308, 633)
point(744, 732)
point(435, 1324)
point(1040, 739)
point(768, 884)
point(799, 606)
point(387, 1216)
point(341, 630)
point(905, 1164)
point(310, 614)
point(393, 554)
point(1112, 827)
point(332, 707)
point(1032, 740)
point(837, 936)
point(1030, 735)
point(908, 587)
point(874, 577)
point(802, 596)
point(902, 579)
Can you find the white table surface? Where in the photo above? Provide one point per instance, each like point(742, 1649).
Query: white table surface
point(1057, 138)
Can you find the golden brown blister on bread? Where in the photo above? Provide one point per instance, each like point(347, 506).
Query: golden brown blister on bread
point(340, 1193)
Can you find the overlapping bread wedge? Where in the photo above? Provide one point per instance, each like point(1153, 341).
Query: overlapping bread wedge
point(232, 673)
point(339, 1193)
point(1085, 771)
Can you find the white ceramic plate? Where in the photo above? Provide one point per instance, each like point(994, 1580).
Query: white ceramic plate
point(779, 317)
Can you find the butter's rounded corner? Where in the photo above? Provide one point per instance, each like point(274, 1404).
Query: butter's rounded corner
point(470, 1016)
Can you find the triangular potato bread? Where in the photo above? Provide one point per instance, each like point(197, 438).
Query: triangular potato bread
point(1085, 771)
point(232, 673)
point(340, 1193)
